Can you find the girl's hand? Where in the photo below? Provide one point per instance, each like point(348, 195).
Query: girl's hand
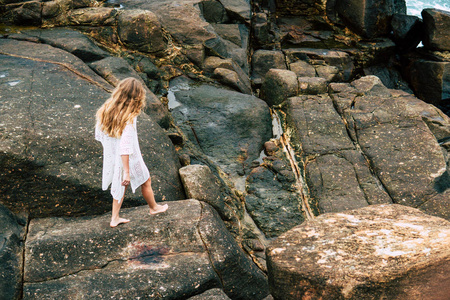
point(126, 179)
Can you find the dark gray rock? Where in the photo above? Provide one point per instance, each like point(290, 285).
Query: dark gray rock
point(12, 236)
point(231, 79)
point(212, 294)
point(69, 40)
point(437, 29)
point(300, 7)
point(241, 82)
point(181, 253)
point(370, 18)
point(227, 126)
point(264, 60)
point(92, 16)
point(236, 33)
point(302, 69)
point(226, 49)
point(312, 85)
point(238, 10)
point(403, 152)
point(213, 11)
point(380, 251)
point(50, 162)
point(278, 85)
point(141, 30)
point(407, 31)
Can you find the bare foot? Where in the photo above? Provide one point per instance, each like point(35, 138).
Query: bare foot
point(114, 223)
point(159, 209)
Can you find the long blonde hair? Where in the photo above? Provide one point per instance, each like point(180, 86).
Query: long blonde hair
point(125, 103)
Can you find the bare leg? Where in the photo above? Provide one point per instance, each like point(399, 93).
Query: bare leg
point(147, 192)
point(115, 219)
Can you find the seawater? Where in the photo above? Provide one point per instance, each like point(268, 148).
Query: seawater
point(415, 7)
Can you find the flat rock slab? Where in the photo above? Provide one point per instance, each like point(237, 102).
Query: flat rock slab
point(377, 252)
point(180, 253)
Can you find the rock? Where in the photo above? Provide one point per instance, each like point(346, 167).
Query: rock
point(238, 10)
point(369, 18)
point(226, 49)
point(232, 33)
point(178, 254)
point(213, 11)
point(270, 148)
point(231, 79)
point(262, 29)
point(338, 176)
point(115, 69)
point(141, 30)
point(300, 7)
point(212, 294)
point(338, 59)
point(50, 162)
point(302, 69)
point(329, 73)
point(273, 204)
point(28, 13)
point(437, 25)
point(278, 85)
point(407, 31)
point(389, 76)
point(242, 83)
point(93, 16)
point(429, 79)
point(200, 183)
point(227, 126)
point(12, 236)
point(312, 85)
point(381, 251)
point(393, 136)
point(264, 60)
point(69, 40)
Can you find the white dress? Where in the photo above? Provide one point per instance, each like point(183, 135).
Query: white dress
point(113, 148)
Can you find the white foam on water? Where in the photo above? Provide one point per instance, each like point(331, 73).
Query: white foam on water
point(415, 7)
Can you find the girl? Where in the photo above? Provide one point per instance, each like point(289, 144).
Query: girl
point(122, 160)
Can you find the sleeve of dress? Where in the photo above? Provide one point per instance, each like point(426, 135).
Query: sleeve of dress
point(99, 135)
point(126, 140)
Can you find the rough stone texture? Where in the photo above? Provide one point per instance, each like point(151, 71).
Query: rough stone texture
point(231, 79)
point(201, 184)
point(50, 162)
point(302, 69)
point(93, 16)
point(311, 85)
point(272, 200)
point(243, 81)
point(324, 57)
point(264, 60)
point(213, 11)
point(278, 85)
point(11, 253)
point(227, 126)
point(377, 252)
point(141, 30)
point(407, 31)
point(392, 130)
point(300, 7)
point(115, 69)
point(236, 33)
point(174, 255)
point(437, 29)
point(212, 294)
point(238, 10)
point(67, 39)
point(370, 18)
point(226, 49)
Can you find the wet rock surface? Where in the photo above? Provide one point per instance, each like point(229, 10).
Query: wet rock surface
point(388, 251)
point(181, 253)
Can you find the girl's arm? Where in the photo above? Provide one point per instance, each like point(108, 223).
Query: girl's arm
point(126, 169)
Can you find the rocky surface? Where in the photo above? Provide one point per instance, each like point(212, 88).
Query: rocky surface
point(381, 251)
point(436, 23)
point(229, 127)
point(12, 236)
point(49, 100)
point(181, 253)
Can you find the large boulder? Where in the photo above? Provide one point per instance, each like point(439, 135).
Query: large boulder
point(264, 60)
point(141, 30)
point(407, 31)
point(392, 129)
point(175, 255)
point(227, 126)
point(370, 18)
point(377, 252)
point(12, 235)
point(437, 29)
point(50, 162)
point(278, 85)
